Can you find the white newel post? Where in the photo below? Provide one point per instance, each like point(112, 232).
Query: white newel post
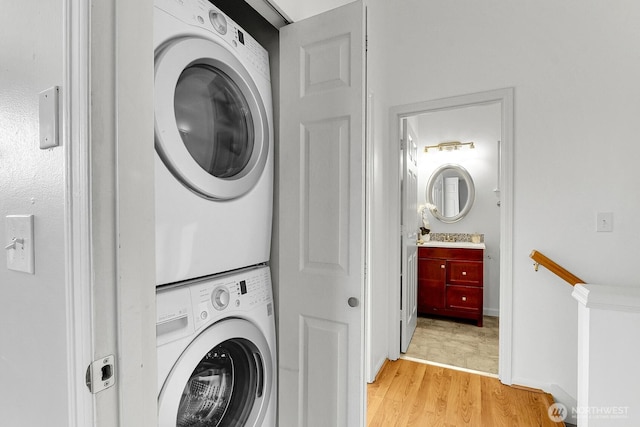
point(608, 356)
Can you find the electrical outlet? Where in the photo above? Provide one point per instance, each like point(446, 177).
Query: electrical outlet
point(19, 247)
point(604, 221)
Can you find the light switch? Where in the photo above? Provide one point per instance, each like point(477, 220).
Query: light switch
point(605, 221)
point(19, 245)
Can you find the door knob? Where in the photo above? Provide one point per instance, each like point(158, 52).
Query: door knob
point(353, 302)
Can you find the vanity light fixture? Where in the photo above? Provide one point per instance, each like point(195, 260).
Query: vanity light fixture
point(449, 146)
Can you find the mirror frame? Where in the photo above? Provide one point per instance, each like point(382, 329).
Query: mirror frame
point(470, 185)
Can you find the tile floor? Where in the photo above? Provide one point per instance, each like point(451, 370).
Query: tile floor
point(457, 343)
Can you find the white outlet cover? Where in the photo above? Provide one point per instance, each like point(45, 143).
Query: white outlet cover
point(48, 113)
point(19, 245)
point(604, 222)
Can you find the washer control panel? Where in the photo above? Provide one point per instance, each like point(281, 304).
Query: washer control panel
point(233, 293)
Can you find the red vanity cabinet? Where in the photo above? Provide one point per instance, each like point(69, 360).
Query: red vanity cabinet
point(450, 282)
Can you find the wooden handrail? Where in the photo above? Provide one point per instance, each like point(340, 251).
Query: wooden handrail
point(553, 267)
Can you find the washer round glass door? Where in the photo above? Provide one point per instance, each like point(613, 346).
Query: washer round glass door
point(211, 129)
point(222, 379)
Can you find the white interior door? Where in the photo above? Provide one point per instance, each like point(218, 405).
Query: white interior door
point(451, 196)
point(321, 351)
point(410, 224)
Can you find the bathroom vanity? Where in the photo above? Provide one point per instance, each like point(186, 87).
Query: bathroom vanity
point(450, 279)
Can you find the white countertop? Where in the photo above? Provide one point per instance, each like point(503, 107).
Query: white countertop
point(460, 245)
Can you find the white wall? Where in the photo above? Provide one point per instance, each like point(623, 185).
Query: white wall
point(33, 308)
point(482, 125)
point(577, 103)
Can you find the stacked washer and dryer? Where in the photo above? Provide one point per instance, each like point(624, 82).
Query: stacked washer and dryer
point(214, 190)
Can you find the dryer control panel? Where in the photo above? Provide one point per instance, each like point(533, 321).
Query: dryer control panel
point(202, 14)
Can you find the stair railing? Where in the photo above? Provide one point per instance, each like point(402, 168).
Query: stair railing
point(555, 268)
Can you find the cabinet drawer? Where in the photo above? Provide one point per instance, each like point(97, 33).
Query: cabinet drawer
point(451, 253)
point(466, 298)
point(466, 273)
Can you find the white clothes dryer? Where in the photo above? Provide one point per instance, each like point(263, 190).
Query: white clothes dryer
point(214, 143)
point(217, 351)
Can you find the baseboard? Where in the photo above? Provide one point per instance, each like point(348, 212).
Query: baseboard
point(559, 394)
point(494, 312)
point(570, 402)
point(529, 389)
point(378, 367)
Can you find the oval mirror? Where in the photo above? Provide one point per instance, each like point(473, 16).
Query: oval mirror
point(451, 192)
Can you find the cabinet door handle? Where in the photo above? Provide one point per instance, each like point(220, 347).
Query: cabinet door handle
point(464, 298)
point(464, 273)
point(442, 266)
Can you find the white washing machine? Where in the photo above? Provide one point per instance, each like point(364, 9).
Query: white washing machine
point(214, 143)
point(217, 351)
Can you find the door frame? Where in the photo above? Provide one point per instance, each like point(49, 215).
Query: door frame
point(122, 208)
point(75, 127)
point(505, 97)
point(107, 128)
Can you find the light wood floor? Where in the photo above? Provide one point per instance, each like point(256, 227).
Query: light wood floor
point(409, 393)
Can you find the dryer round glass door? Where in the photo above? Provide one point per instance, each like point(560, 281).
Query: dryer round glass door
point(214, 121)
point(223, 378)
point(211, 128)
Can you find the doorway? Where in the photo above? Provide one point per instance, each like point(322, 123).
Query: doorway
point(441, 338)
point(501, 102)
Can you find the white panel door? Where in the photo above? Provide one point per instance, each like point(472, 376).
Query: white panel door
point(321, 351)
point(451, 196)
point(410, 224)
point(438, 193)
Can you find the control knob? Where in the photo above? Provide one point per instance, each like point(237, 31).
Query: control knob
point(220, 298)
point(218, 21)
